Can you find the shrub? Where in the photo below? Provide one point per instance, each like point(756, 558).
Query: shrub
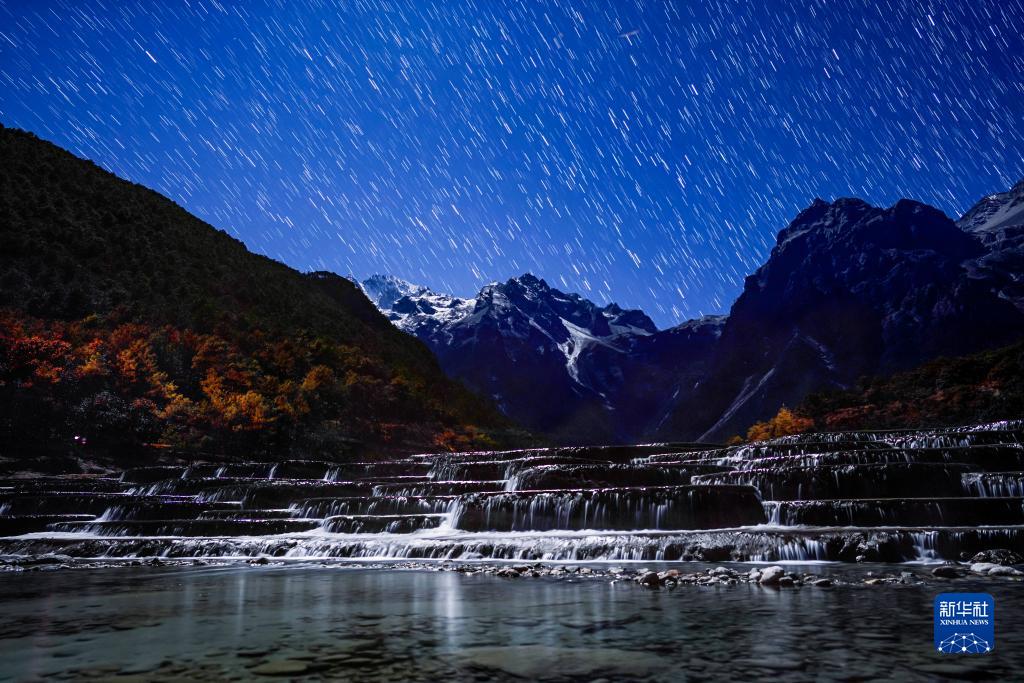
point(785, 423)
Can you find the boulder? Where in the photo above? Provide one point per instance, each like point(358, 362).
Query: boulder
point(1002, 570)
point(770, 576)
point(998, 556)
point(946, 571)
point(650, 579)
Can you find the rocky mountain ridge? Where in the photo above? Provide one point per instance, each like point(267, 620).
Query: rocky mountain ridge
point(516, 336)
point(849, 290)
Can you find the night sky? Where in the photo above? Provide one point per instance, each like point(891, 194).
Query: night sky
point(641, 153)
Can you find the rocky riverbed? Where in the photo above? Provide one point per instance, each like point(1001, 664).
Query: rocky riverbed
point(997, 565)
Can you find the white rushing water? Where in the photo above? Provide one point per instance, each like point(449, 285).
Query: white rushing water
point(880, 496)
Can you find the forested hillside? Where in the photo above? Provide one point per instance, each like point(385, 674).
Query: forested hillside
point(126, 320)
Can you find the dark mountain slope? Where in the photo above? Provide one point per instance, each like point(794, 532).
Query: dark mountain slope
point(998, 221)
point(945, 392)
point(80, 243)
point(849, 290)
point(521, 345)
point(79, 240)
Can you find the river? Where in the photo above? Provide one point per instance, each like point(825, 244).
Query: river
point(307, 621)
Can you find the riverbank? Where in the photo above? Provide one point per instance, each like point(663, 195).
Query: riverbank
point(1003, 566)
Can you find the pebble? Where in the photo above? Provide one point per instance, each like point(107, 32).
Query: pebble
point(141, 667)
point(281, 667)
point(335, 658)
point(946, 571)
point(1002, 570)
point(361, 661)
point(993, 564)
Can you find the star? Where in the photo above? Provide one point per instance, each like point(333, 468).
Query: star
point(455, 144)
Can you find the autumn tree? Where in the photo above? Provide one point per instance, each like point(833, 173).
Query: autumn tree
point(785, 423)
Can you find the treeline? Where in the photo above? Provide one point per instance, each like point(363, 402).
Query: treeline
point(947, 392)
point(117, 385)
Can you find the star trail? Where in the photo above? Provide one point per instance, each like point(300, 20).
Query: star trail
point(644, 153)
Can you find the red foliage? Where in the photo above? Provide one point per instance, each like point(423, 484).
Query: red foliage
point(133, 383)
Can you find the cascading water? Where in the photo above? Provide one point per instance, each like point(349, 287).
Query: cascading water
point(889, 496)
point(994, 484)
point(676, 507)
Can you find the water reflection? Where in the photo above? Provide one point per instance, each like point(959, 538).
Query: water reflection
point(312, 622)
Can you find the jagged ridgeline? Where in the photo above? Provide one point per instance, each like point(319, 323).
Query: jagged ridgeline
point(127, 320)
point(851, 496)
point(849, 291)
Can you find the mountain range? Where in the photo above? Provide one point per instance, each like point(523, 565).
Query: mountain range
point(849, 290)
point(125, 319)
point(551, 360)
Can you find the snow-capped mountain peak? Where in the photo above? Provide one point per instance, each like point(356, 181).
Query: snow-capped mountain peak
point(412, 307)
point(384, 290)
point(517, 335)
point(849, 290)
point(998, 221)
point(995, 212)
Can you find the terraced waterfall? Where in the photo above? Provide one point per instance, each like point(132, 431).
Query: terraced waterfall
point(864, 496)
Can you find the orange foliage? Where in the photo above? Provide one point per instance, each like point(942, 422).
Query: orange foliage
point(784, 423)
point(137, 383)
point(468, 438)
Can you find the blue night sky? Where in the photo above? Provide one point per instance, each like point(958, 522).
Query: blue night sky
point(644, 153)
